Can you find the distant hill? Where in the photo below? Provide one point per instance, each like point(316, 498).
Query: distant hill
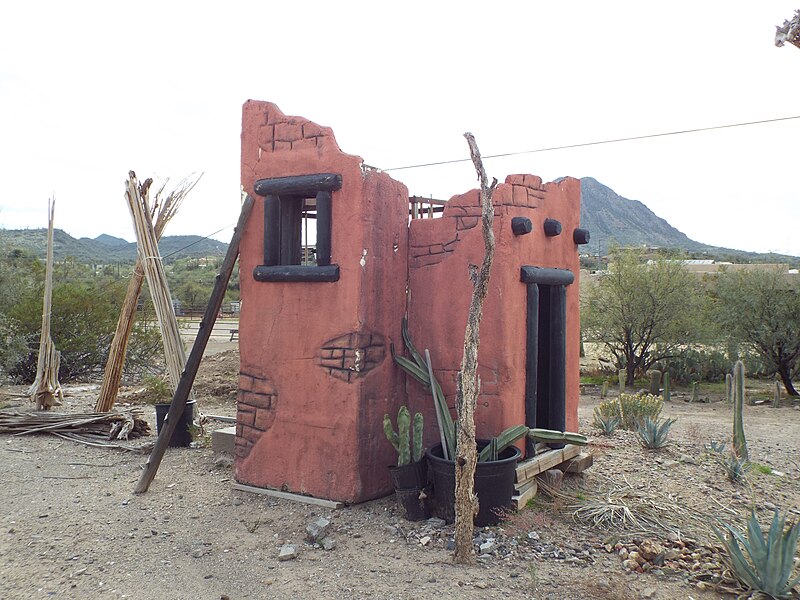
point(614, 220)
point(610, 218)
point(106, 249)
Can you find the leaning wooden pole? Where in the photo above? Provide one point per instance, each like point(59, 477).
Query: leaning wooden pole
point(467, 384)
point(46, 390)
point(193, 363)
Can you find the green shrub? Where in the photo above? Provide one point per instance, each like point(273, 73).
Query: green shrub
point(157, 390)
point(631, 408)
point(84, 318)
point(771, 557)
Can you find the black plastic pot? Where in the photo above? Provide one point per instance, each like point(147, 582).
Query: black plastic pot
point(414, 475)
point(494, 484)
point(182, 436)
point(414, 507)
point(408, 481)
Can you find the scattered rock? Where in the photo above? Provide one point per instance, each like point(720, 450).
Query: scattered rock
point(317, 529)
point(487, 547)
point(288, 552)
point(327, 543)
point(553, 478)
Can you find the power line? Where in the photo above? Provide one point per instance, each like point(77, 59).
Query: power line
point(596, 143)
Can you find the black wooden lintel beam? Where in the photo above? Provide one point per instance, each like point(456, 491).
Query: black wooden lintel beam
point(291, 273)
point(299, 185)
point(546, 276)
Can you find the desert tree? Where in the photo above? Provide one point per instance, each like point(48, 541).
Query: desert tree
point(642, 311)
point(760, 309)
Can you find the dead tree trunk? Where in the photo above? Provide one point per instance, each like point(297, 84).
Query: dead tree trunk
point(46, 390)
point(467, 384)
point(789, 32)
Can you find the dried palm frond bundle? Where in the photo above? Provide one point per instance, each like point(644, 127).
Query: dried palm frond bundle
point(163, 209)
point(139, 205)
point(122, 425)
point(46, 390)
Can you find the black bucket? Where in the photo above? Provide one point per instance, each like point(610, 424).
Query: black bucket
point(182, 436)
point(413, 505)
point(494, 484)
point(411, 476)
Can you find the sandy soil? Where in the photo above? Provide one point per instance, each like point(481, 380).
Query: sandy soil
point(71, 526)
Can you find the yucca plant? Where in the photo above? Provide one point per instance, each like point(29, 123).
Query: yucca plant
point(770, 567)
point(607, 424)
point(653, 433)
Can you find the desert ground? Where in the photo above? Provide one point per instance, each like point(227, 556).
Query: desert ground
point(71, 526)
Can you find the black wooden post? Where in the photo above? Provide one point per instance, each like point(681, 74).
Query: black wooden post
point(324, 209)
point(557, 398)
point(272, 230)
point(531, 362)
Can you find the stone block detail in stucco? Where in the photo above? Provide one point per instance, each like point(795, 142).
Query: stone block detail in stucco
point(352, 355)
point(255, 411)
point(280, 133)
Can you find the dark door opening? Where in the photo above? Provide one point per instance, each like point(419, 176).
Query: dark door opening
point(546, 336)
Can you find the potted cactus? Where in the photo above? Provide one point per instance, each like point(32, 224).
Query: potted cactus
point(410, 475)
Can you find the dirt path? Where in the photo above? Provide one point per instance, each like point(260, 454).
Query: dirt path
point(72, 528)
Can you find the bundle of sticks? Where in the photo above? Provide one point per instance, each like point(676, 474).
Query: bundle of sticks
point(93, 428)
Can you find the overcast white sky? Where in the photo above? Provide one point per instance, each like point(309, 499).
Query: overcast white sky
point(89, 91)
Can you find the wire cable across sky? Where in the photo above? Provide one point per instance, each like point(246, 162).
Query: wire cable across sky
point(597, 143)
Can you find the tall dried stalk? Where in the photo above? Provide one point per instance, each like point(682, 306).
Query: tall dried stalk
point(46, 390)
point(139, 205)
point(466, 503)
point(112, 376)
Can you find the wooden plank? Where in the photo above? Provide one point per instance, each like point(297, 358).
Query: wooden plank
point(287, 496)
point(521, 499)
point(193, 362)
point(524, 486)
point(547, 460)
point(580, 463)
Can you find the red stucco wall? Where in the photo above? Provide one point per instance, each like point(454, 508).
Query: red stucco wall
point(440, 252)
point(316, 371)
point(303, 426)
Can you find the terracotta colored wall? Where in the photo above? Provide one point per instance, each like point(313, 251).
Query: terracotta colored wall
point(309, 413)
point(440, 251)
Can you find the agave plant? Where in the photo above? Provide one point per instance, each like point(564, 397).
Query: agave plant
point(735, 468)
point(769, 569)
point(607, 424)
point(653, 433)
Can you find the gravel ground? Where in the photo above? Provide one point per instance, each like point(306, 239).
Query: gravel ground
point(71, 526)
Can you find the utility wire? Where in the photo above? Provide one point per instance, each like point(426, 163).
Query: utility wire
point(596, 143)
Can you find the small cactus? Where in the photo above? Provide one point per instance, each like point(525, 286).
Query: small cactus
point(776, 400)
point(655, 382)
point(604, 389)
point(667, 390)
point(401, 439)
point(622, 375)
point(739, 441)
point(694, 392)
point(729, 388)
